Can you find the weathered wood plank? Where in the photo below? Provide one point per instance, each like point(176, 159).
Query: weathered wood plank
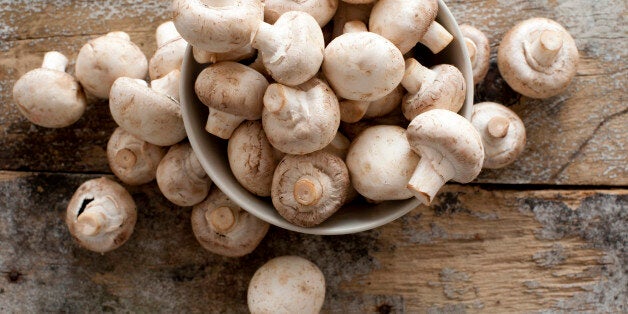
point(474, 250)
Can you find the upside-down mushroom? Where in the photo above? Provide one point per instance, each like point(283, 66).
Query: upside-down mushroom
point(479, 51)
point(132, 160)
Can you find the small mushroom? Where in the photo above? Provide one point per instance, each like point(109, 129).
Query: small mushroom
point(308, 189)
point(217, 25)
point(353, 110)
point(180, 177)
point(101, 215)
point(292, 48)
point(479, 51)
point(202, 56)
point(441, 87)
point(381, 162)
point(347, 12)
point(321, 11)
point(233, 92)
point(150, 115)
point(361, 65)
point(223, 228)
point(450, 148)
point(503, 133)
point(538, 58)
point(302, 119)
point(103, 60)
point(407, 22)
point(131, 159)
point(252, 159)
point(287, 284)
point(48, 96)
point(170, 51)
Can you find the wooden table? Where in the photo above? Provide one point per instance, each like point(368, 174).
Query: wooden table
point(548, 233)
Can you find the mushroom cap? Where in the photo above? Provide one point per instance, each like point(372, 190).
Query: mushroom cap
point(217, 26)
point(252, 159)
point(536, 81)
point(104, 59)
point(233, 88)
point(151, 116)
point(321, 11)
point(114, 210)
point(444, 90)
point(308, 189)
point(302, 119)
point(167, 58)
point(362, 66)
point(49, 98)
point(180, 177)
point(131, 159)
point(500, 149)
point(380, 162)
point(223, 228)
point(386, 104)
point(287, 284)
point(403, 27)
point(480, 63)
point(442, 134)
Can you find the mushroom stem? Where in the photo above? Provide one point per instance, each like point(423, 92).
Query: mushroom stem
point(279, 98)
point(436, 38)
point(353, 110)
point(498, 126)
point(307, 191)
point(545, 48)
point(90, 222)
point(222, 219)
point(202, 56)
point(354, 27)
point(119, 34)
point(415, 75)
point(168, 85)
point(165, 33)
point(429, 177)
point(271, 40)
point(471, 49)
point(125, 158)
point(222, 124)
point(54, 60)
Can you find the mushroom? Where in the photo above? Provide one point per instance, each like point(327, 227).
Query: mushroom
point(233, 92)
point(170, 51)
point(150, 115)
point(48, 96)
point(292, 48)
point(441, 87)
point(395, 117)
point(223, 228)
point(450, 148)
point(131, 159)
point(308, 189)
point(252, 159)
point(407, 22)
point(503, 133)
point(287, 284)
point(180, 177)
point(103, 60)
point(217, 25)
point(202, 56)
point(347, 12)
point(381, 162)
point(361, 65)
point(339, 146)
point(353, 110)
point(101, 215)
point(302, 119)
point(168, 85)
point(538, 58)
point(479, 51)
point(321, 11)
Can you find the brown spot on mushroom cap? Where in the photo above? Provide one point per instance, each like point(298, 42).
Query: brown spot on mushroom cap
point(180, 177)
point(131, 159)
point(480, 63)
point(327, 170)
point(321, 10)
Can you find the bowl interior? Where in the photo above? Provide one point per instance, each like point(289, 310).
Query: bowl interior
point(355, 217)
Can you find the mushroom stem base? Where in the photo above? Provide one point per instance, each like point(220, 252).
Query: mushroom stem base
point(428, 178)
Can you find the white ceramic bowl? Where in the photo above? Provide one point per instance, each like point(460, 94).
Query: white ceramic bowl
point(354, 217)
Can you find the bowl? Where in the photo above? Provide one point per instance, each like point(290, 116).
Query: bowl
point(354, 217)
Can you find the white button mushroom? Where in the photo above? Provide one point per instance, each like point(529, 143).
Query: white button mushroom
point(217, 25)
point(170, 50)
point(406, 22)
point(339, 146)
point(503, 133)
point(287, 285)
point(321, 11)
point(353, 110)
point(101, 215)
point(450, 148)
point(302, 119)
point(381, 162)
point(233, 92)
point(538, 58)
point(292, 48)
point(252, 159)
point(131, 159)
point(180, 177)
point(103, 60)
point(479, 51)
point(202, 56)
point(48, 96)
point(441, 87)
point(308, 189)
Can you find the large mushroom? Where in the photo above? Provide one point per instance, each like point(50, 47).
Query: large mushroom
point(223, 228)
point(479, 51)
point(48, 96)
point(131, 159)
point(181, 178)
point(321, 11)
point(170, 51)
point(101, 215)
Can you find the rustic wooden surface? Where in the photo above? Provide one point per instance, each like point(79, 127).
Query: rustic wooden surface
point(547, 233)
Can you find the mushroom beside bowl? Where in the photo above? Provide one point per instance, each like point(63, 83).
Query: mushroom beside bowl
point(353, 217)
